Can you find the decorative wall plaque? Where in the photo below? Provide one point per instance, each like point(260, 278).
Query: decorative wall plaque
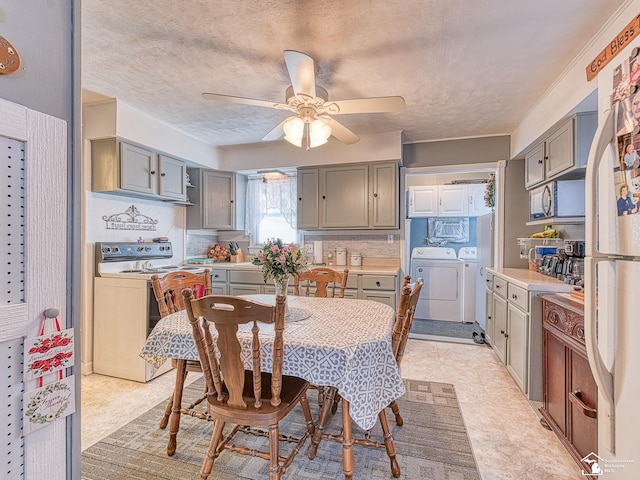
point(9, 57)
point(48, 404)
point(130, 219)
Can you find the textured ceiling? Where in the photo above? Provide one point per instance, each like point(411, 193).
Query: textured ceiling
point(465, 68)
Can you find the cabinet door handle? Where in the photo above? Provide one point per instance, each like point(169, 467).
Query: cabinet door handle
point(514, 296)
point(231, 201)
point(502, 332)
point(506, 335)
point(323, 197)
point(299, 199)
point(375, 195)
point(540, 162)
point(162, 174)
point(377, 284)
point(153, 172)
point(488, 317)
point(574, 397)
point(497, 286)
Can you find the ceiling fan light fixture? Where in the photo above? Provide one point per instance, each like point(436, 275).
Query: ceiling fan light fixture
point(319, 133)
point(294, 131)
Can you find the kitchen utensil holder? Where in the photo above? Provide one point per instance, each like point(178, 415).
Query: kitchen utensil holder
point(238, 257)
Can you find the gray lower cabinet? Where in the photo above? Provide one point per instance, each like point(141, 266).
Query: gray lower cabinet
point(509, 312)
point(500, 327)
point(380, 288)
point(516, 316)
point(489, 323)
point(350, 196)
point(518, 341)
point(126, 168)
point(219, 282)
point(217, 198)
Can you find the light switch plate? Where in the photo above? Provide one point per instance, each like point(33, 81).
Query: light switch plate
point(389, 238)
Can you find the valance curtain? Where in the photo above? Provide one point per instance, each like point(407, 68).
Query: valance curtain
point(270, 195)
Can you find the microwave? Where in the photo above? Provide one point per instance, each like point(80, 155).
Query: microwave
point(563, 198)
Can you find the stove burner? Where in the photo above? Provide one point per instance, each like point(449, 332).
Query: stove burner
point(134, 270)
point(167, 267)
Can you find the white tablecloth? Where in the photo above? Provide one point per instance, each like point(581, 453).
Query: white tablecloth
point(344, 343)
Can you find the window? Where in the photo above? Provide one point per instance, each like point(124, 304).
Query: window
point(271, 208)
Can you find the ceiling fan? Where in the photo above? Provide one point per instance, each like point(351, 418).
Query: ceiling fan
point(310, 103)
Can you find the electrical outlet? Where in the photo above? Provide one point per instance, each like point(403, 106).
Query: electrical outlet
point(389, 238)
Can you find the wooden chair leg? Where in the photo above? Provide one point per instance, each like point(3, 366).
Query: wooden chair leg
point(329, 394)
point(174, 419)
point(347, 441)
point(336, 401)
point(396, 411)
point(207, 463)
point(274, 466)
point(306, 410)
point(388, 443)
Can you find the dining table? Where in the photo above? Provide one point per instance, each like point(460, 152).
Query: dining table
point(343, 344)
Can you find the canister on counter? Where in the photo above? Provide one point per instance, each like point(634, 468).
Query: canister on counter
point(356, 259)
point(341, 256)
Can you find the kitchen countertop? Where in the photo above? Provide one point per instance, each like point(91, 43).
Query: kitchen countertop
point(531, 280)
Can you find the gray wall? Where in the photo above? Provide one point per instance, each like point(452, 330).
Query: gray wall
point(456, 152)
point(42, 32)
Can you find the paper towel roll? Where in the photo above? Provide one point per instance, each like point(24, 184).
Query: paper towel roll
point(317, 252)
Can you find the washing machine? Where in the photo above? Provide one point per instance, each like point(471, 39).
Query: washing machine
point(469, 258)
point(442, 295)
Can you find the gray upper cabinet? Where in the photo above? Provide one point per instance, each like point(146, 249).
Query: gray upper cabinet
point(308, 208)
point(218, 199)
point(384, 195)
point(172, 177)
point(563, 152)
point(130, 169)
point(352, 196)
point(534, 165)
point(344, 196)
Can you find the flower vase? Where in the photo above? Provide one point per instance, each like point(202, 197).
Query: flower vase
point(282, 284)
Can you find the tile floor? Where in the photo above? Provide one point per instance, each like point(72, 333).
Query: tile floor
point(507, 438)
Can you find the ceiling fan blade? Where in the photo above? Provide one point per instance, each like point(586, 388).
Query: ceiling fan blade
point(277, 132)
point(341, 132)
point(244, 101)
point(365, 105)
point(302, 71)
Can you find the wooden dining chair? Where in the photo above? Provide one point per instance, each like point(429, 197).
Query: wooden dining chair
point(168, 293)
point(404, 317)
point(325, 280)
point(409, 297)
point(246, 398)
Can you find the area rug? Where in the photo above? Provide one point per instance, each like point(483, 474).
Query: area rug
point(432, 444)
point(442, 328)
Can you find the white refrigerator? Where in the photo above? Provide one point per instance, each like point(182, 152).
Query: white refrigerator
point(612, 271)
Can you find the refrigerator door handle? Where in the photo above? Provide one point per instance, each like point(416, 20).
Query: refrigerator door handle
point(602, 141)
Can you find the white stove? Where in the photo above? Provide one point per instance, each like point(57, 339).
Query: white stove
point(125, 308)
point(137, 260)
